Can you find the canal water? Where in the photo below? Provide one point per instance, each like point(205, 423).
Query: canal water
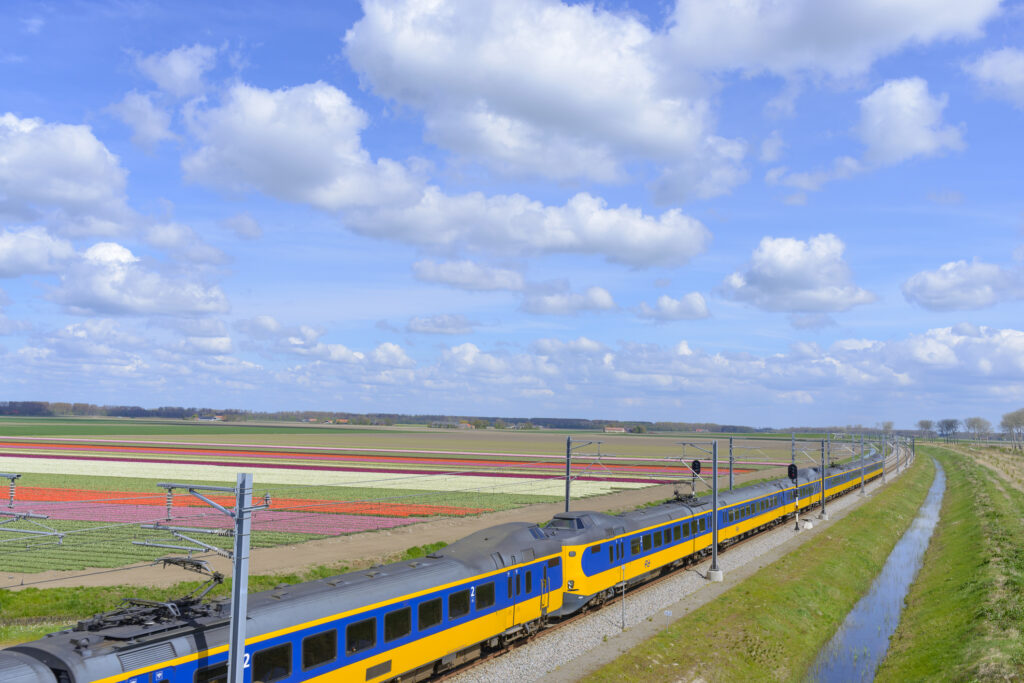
point(858, 647)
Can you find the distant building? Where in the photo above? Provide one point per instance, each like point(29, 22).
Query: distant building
point(614, 430)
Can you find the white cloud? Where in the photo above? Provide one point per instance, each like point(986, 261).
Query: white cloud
point(960, 285)
point(690, 306)
point(468, 275)
point(513, 224)
point(900, 120)
point(1001, 72)
point(32, 25)
point(811, 321)
point(467, 358)
point(208, 345)
point(244, 225)
point(301, 144)
point(569, 303)
point(787, 274)
point(53, 168)
point(260, 326)
point(183, 242)
point(32, 250)
point(392, 355)
point(108, 278)
point(842, 168)
point(440, 324)
point(543, 88)
point(840, 38)
point(551, 347)
point(771, 147)
point(149, 124)
point(179, 72)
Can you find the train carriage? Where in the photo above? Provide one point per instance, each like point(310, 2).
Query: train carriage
point(411, 620)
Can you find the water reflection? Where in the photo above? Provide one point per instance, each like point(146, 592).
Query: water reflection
point(855, 651)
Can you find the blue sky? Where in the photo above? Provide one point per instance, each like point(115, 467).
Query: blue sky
point(753, 212)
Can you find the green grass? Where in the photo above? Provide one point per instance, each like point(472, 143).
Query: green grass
point(33, 612)
point(964, 614)
point(771, 626)
point(102, 545)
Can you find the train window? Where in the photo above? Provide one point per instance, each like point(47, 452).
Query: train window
point(519, 584)
point(485, 595)
point(397, 624)
point(657, 539)
point(634, 545)
point(677, 532)
point(595, 548)
point(730, 515)
point(272, 664)
point(611, 553)
point(553, 562)
point(319, 649)
point(510, 586)
point(429, 614)
point(458, 604)
point(647, 541)
point(686, 530)
point(703, 524)
point(529, 582)
point(212, 674)
point(359, 636)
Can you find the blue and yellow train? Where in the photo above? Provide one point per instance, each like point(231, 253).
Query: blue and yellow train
point(410, 621)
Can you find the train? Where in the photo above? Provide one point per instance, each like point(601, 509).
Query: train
point(413, 620)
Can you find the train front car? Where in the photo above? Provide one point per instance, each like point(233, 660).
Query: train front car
point(16, 667)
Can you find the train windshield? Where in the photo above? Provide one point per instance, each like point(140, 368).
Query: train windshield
point(562, 523)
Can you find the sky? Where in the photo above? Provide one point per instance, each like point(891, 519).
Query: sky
point(748, 212)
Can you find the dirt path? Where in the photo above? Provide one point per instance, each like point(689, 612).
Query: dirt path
point(355, 550)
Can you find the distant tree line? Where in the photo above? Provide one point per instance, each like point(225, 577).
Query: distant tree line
point(977, 428)
point(61, 409)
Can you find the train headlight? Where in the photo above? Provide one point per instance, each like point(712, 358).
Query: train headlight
point(572, 584)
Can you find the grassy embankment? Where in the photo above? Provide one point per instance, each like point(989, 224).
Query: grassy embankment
point(33, 612)
point(965, 612)
point(771, 626)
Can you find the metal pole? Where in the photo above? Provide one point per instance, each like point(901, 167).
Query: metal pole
point(829, 460)
point(240, 578)
point(622, 575)
point(169, 503)
point(824, 514)
point(882, 444)
point(730, 464)
point(792, 448)
point(714, 573)
point(568, 456)
point(10, 504)
point(862, 464)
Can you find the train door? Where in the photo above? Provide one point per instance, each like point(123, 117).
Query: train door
point(544, 589)
point(512, 576)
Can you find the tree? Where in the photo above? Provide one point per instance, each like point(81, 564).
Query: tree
point(948, 428)
point(887, 426)
point(925, 426)
point(978, 427)
point(1013, 425)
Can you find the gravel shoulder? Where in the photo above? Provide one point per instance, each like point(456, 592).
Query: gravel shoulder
point(571, 652)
